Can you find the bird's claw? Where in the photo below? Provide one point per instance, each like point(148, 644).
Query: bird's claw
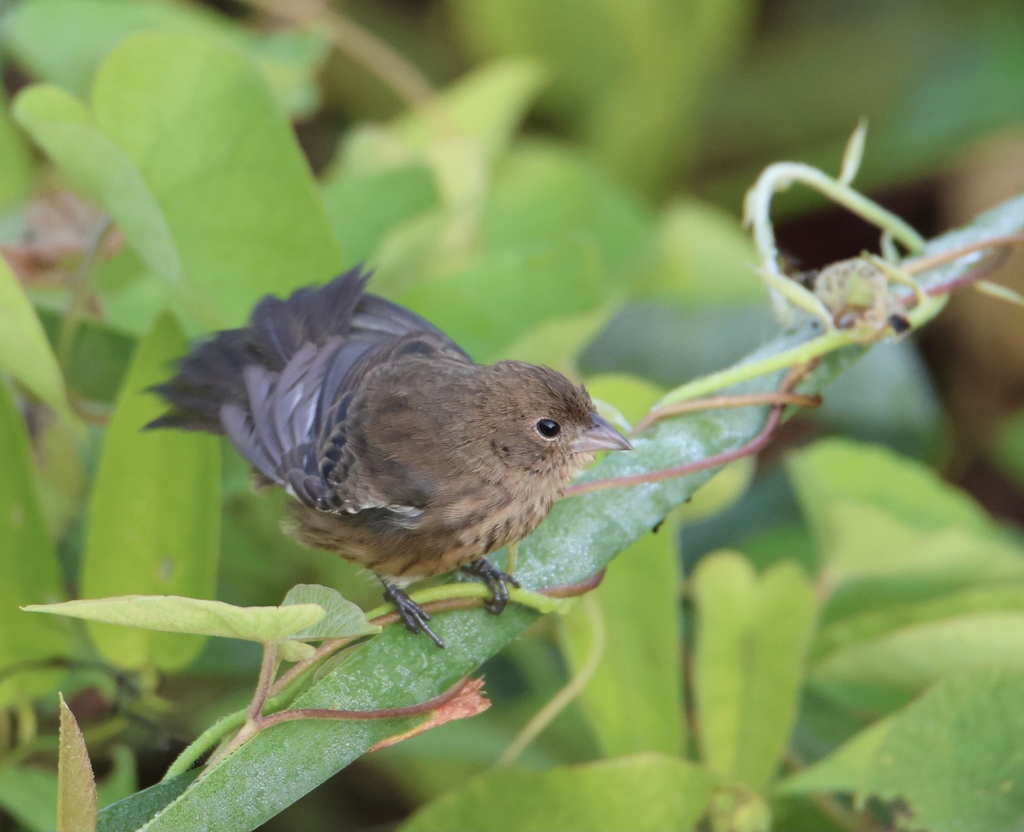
point(497, 582)
point(413, 616)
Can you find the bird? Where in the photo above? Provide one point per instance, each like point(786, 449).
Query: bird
point(399, 451)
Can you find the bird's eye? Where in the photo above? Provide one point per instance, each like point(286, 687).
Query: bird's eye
point(548, 428)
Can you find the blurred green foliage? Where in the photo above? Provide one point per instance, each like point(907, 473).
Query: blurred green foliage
point(848, 625)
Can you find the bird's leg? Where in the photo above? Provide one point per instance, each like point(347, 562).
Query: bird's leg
point(413, 616)
point(496, 580)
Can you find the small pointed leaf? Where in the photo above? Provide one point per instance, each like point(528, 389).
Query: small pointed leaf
point(174, 614)
point(76, 786)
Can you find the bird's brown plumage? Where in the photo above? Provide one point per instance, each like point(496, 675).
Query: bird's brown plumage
point(401, 453)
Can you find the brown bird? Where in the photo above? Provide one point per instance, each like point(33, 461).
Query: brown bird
point(402, 454)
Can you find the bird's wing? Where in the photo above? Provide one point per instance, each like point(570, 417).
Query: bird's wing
point(279, 387)
point(357, 475)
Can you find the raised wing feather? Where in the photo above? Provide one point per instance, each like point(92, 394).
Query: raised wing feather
point(282, 389)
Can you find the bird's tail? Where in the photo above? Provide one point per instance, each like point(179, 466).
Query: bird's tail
point(213, 375)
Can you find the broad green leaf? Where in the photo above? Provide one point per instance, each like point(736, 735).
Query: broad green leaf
point(24, 350)
point(364, 209)
point(154, 517)
point(952, 757)
point(65, 41)
point(897, 613)
point(846, 768)
point(640, 792)
point(955, 755)
point(871, 541)
point(16, 163)
point(62, 126)
point(76, 786)
point(580, 536)
point(633, 699)
point(627, 77)
point(342, 618)
point(30, 796)
point(28, 563)
point(169, 113)
point(752, 637)
point(705, 258)
point(545, 193)
point(222, 162)
point(920, 654)
point(836, 472)
point(100, 357)
point(558, 342)
point(176, 614)
point(487, 306)
point(131, 814)
point(486, 105)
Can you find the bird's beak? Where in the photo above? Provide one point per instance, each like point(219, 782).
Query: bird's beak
point(601, 437)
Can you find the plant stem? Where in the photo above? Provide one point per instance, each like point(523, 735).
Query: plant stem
point(363, 46)
point(560, 701)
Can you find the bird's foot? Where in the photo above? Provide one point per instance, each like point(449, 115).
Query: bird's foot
point(413, 616)
point(497, 582)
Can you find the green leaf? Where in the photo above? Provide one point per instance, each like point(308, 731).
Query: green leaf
point(752, 638)
point(65, 41)
point(640, 792)
point(487, 306)
point(920, 654)
point(130, 814)
point(24, 351)
point(580, 536)
point(633, 698)
point(76, 786)
point(557, 342)
point(169, 113)
point(846, 768)
point(364, 209)
point(486, 106)
point(836, 472)
point(30, 796)
point(182, 108)
point(544, 193)
point(60, 124)
point(28, 563)
point(175, 614)
point(705, 258)
point(154, 517)
point(899, 613)
point(16, 163)
point(954, 755)
point(629, 78)
point(342, 619)
point(99, 360)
